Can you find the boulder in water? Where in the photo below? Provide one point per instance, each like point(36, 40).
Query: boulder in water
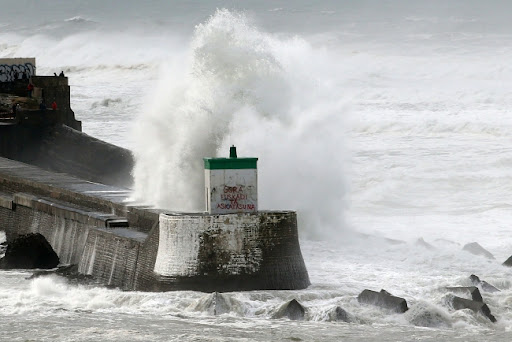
point(476, 249)
point(470, 290)
point(459, 303)
point(29, 251)
point(292, 310)
point(384, 300)
point(485, 286)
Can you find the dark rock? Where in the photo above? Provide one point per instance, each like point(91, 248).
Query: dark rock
point(458, 303)
point(508, 262)
point(29, 251)
point(470, 290)
point(485, 286)
point(292, 310)
point(476, 249)
point(384, 300)
point(424, 244)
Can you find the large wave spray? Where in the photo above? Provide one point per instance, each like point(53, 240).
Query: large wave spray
point(270, 97)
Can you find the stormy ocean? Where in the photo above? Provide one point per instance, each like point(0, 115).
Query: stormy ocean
point(376, 120)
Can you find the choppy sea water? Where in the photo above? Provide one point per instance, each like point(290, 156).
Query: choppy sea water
point(389, 119)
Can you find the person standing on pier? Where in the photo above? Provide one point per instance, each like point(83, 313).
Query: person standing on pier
point(54, 105)
point(30, 89)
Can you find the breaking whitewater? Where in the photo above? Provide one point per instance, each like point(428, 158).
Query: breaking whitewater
point(379, 124)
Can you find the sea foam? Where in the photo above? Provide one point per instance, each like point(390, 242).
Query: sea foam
point(269, 96)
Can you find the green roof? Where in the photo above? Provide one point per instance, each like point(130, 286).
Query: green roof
point(229, 163)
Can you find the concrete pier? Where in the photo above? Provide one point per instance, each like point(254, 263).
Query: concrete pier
point(133, 247)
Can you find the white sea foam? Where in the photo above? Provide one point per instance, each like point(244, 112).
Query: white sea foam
point(79, 19)
point(245, 87)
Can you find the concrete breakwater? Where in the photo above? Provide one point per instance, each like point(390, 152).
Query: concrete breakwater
point(60, 148)
point(132, 247)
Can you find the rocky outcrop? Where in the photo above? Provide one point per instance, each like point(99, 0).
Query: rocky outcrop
point(476, 249)
point(292, 310)
point(458, 303)
point(384, 300)
point(469, 290)
point(485, 286)
point(29, 251)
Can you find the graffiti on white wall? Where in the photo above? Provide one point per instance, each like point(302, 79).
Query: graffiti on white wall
point(13, 69)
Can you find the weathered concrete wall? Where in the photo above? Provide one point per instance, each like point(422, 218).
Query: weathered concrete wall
point(78, 236)
point(111, 256)
point(19, 142)
point(6, 212)
point(57, 89)
point(63, 149)
point(230, 252)
point(231, 191)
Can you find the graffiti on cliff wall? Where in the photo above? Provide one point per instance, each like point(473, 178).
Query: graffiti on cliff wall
point(9, 73)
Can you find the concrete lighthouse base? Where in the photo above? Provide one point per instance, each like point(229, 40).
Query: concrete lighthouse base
point(230, 252)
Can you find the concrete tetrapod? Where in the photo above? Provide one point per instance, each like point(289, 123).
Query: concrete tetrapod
point(341, 315)
point(384, 300)
point(508, 262)
point(486, 287)
point(216, 304)
point(459, 303)
point(476, 249)
point(471, 290)
point(292, 309)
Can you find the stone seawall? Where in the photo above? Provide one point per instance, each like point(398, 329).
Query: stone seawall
point(132, 247)
point(59, 148)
